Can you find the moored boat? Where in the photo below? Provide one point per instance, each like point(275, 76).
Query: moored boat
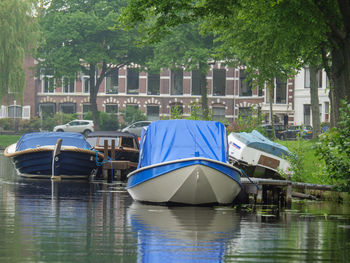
point(32, 155)
point(257, 155)
point(184, 161)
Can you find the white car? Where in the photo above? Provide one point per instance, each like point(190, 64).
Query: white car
point(136, 127)
point(82, 126)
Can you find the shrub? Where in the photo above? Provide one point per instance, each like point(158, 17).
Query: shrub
point(32, 125)
point(7, 124)
point(334, 149)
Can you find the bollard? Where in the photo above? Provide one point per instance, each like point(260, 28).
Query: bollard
point(55, 161)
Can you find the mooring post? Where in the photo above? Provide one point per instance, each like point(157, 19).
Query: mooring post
point(105, 158)
point(259, 197)
point(289, 195)
point(55, 161)
point(110, 174)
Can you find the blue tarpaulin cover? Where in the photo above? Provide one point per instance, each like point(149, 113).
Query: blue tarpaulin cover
point(168, 140)
point(37, 139)
point(258, 141)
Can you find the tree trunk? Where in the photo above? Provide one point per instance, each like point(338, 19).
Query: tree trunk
point(341, 76)
point(271, 87)
point(93, 97)
point(314, 102)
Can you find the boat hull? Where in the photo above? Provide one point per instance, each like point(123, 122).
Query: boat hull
point(70, 164)
point(193, 182)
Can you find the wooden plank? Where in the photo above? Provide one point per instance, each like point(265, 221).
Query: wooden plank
point(105, 150)
point(118, 165)
point(268, 161)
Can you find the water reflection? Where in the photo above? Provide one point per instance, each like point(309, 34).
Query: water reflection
point(180, 234)
point(79, 221)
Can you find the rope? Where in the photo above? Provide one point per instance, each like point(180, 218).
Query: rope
point(257, 187)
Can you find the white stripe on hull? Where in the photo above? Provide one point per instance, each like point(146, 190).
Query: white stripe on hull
point(196, 184)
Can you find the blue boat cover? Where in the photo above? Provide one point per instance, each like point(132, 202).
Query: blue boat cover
point(168, 140)
point(258, 141)
point(36, 139)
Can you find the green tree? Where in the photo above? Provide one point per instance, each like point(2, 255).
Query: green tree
point(132, 114)
point(184, 46)
point(267, 32)
point(19, 34)
point(82, 37)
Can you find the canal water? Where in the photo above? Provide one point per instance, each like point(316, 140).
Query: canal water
point(79, 221)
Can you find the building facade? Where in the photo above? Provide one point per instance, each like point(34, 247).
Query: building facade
point(229, 94)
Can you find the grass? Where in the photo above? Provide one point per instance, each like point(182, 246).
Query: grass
point(312, 166)
point(6, 140)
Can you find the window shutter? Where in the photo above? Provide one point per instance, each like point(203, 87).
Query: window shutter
point(3, 111)
point(26, 112)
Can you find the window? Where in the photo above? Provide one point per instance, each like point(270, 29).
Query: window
point(112, 108)
point(127, 142)
point(245, 85)
point(176, 82)
point(218, 113)
point(86, 109)
point(86, 84)
point(112, 81)
point(307, 78)
point(219, 82)
point(281, 91)
point(152, 113)
point(68, 85)
point(153, 84)
point(48, 84)
point(47, 109)
point(319, 79)
point(196, 88)
point(326, 107)
point(307, 114)
point(15, 111)
point(132, 81)
point(68, 108)
point(244, 112)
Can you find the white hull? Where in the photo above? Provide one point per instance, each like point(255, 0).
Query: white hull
point(195, 184)
point(246, 155)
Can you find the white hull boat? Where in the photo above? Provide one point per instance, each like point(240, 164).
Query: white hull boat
point(257, 155)
point(165, 175)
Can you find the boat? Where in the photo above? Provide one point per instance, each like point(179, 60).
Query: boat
point(125, 155)
point(33, 154)
point(258, 156)
point(185, 162)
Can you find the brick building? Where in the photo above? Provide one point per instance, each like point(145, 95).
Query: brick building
point(229, 95)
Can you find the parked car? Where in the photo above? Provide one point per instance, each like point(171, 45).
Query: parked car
point(82, 126)
point(279, 128)
point(297, 131)
point(136, 127)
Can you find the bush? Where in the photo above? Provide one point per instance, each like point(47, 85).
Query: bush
point(7, 124)
point(334, 149)
point(32, 125)
point(60, 118)
point(108, 122)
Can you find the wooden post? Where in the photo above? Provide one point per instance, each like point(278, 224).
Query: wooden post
point(105, 158)
point(289, 196)
point(113, 150)
point(260, 195)
point(55, 161)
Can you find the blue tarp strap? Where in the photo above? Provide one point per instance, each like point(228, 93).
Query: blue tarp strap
point(257, 187)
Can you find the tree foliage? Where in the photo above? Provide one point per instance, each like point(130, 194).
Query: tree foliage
point(82, 37)
point(334, 149)
point(18, 36)
point(270, 37)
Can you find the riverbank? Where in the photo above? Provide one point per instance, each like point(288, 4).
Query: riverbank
point(6, 140)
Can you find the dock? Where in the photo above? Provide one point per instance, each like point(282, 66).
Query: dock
point(277, 191)
point(111, 167)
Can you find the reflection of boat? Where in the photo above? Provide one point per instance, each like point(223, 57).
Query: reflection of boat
point(257, 155)
point(184, 161)
point(126, 154)
point(180, 234)
point(33, 155)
